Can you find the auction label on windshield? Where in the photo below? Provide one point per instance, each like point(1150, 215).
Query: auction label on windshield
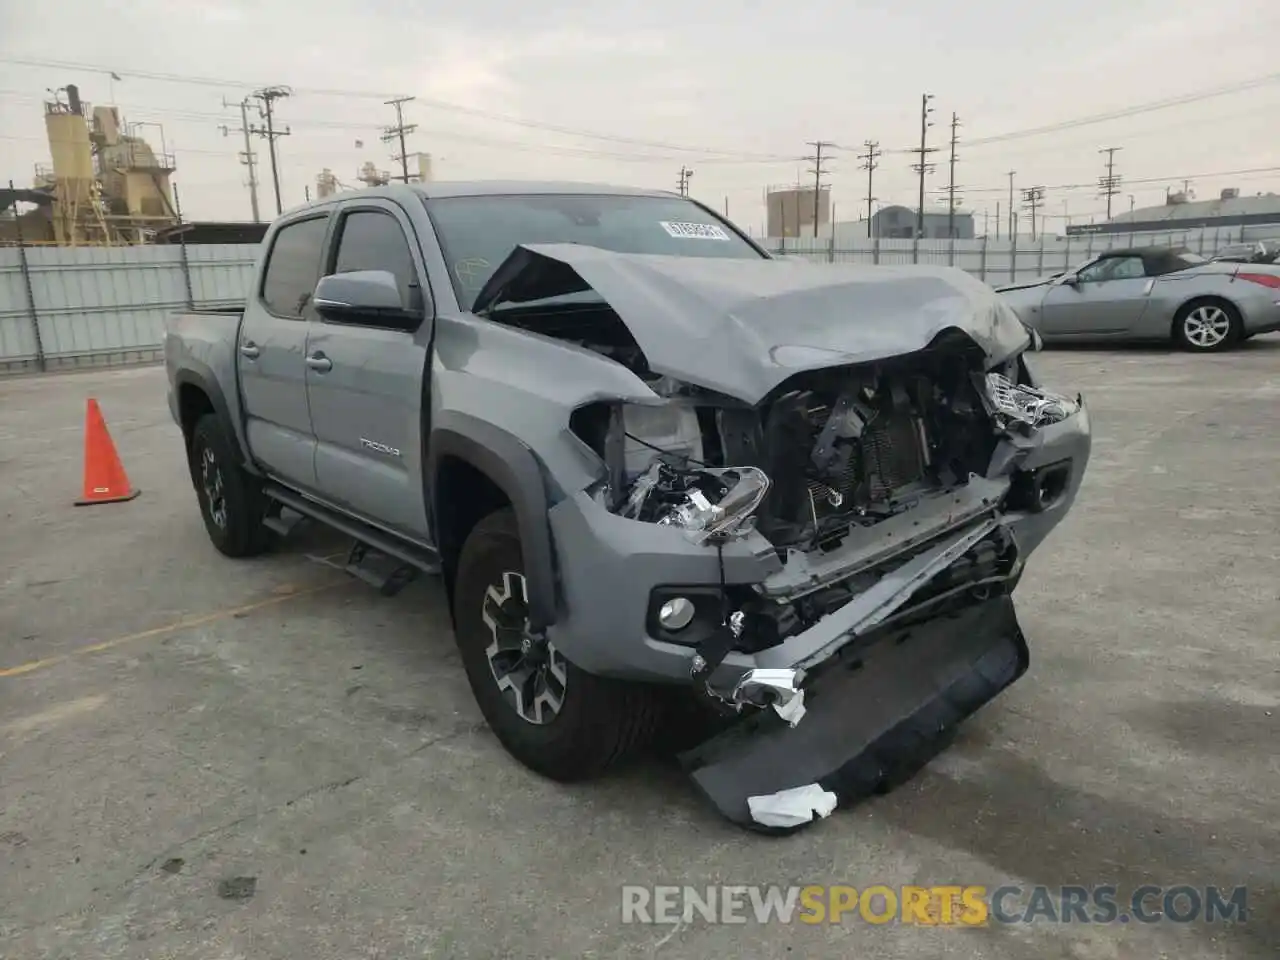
point(694, 231)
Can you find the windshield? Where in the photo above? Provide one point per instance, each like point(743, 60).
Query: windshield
point(477, 233)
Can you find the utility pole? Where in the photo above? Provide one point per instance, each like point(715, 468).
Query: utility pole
point(685, 174)
point(1032, 198)
point(923, 166)
point(869, 164)
point(266, 98)
point(951, 180)
point(1013, 214)
point(247, 157)
point(1109, 185)
point(817, 170)
point(398, 132)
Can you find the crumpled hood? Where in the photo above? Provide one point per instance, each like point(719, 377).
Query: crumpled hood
point(742, 327)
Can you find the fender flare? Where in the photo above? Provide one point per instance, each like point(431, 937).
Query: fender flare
point(196, 374)
point(512, 466)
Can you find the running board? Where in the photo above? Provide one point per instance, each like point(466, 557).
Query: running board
point(372, 548)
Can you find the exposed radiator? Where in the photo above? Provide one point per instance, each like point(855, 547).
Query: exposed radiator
point(888, 457)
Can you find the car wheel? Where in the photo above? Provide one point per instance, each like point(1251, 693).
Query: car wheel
point(231, 501)
point(556, 719)
point(1207, 325)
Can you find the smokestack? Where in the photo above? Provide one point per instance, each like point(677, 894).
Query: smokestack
point(73, 99)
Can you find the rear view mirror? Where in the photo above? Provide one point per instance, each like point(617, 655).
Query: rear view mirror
point(364, 296)
point(1070, 280)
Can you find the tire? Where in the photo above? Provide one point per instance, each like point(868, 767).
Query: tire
point(231, 500)
point(598, 724)
point(1207, 326)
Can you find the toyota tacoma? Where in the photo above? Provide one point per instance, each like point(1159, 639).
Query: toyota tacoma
point(654, 466)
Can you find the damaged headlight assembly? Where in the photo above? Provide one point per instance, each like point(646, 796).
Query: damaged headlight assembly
point(704, 502)
point(1013, 404)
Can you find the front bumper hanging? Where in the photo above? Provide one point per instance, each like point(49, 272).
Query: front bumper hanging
point(877, 712)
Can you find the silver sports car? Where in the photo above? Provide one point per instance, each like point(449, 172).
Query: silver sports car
point(1152, 293)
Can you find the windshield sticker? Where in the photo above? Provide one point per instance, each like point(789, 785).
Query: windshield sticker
point(694, 231)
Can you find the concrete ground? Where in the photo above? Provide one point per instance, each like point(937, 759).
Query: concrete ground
point(202, 758)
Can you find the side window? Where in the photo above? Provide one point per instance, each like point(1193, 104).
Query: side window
point(293, 267)
point(375, 241)
point(1113, 268)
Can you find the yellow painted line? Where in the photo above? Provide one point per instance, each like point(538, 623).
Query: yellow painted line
point(281, 594)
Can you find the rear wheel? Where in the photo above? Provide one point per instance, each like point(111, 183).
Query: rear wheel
point(554, 718)
point(1207, 325)
point(231, 500)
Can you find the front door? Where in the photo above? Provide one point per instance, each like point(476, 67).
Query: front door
point(1108, 299)
point(271, 353)
point(366, 382)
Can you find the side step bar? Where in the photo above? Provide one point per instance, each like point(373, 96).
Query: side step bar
point(368, 543)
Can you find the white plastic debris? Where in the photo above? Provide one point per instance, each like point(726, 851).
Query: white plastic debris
point(792, 710)
point(791, 808)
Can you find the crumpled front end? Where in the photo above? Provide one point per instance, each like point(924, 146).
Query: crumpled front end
point(825, 552)
point(831, 569)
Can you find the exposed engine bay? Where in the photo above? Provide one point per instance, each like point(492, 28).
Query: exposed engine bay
point(830, 453)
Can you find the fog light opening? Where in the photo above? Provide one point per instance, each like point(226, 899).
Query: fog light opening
point(676, 613)
point(1051, 485)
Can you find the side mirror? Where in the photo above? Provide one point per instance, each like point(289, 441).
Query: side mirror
point(368, 296)
point(1070, 280)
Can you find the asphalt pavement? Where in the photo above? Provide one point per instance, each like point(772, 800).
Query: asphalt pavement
point(207, 758)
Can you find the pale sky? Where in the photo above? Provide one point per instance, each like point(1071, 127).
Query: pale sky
point(731, 89)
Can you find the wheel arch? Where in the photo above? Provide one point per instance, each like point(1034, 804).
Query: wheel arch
point(198, 392)
point(474, 468)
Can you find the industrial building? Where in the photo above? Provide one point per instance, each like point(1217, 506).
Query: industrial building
point(105, 185)
point(896, 222)
point(1181, 212)
point(790, 211)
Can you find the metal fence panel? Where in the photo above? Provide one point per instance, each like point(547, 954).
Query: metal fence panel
point(97, 305)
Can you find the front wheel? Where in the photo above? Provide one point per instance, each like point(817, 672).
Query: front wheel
point(1206, 326)
point(554, 718)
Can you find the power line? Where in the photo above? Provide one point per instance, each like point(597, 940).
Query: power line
point(1131, 111)
point(922, 166)
point(869, 164)
point(398, 132)
point(1109, 185)
point(817, 170)
point(266, 97)
point(226, 83)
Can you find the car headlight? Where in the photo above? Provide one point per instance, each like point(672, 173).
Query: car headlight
point(1019, 403)
point(704, 503)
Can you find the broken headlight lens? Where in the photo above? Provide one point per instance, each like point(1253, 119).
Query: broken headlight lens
point(1019, 403)
point(704, 503)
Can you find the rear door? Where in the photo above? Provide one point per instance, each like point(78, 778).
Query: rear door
point(1108, 299)
point(367, 383)
point(273, 338)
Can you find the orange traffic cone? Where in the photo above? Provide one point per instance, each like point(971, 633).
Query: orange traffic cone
point(104, 478)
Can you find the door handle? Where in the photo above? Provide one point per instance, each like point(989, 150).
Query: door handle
point(250, 349)
point(320, 363)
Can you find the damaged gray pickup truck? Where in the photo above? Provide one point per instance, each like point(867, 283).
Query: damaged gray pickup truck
point(654, 466)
